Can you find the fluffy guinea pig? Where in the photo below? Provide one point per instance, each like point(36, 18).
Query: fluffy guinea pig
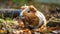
point(32, 17)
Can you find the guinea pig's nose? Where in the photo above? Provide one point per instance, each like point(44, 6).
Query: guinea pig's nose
point(22, 17)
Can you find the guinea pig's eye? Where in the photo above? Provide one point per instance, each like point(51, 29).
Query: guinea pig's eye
point(28, 11)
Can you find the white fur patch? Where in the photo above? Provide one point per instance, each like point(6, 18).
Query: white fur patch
point(41, 18)
point(26, 9)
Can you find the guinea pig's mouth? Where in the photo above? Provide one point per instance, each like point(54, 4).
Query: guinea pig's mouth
point(22, 17)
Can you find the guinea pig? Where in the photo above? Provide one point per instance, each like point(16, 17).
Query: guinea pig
point(32, 17)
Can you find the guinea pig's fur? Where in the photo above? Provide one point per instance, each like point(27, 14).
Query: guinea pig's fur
point(33, 17)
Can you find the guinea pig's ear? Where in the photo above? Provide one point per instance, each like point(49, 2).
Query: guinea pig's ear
point(32, 8)
point(22, 7)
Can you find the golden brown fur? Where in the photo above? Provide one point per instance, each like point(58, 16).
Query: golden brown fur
point(31, 18)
